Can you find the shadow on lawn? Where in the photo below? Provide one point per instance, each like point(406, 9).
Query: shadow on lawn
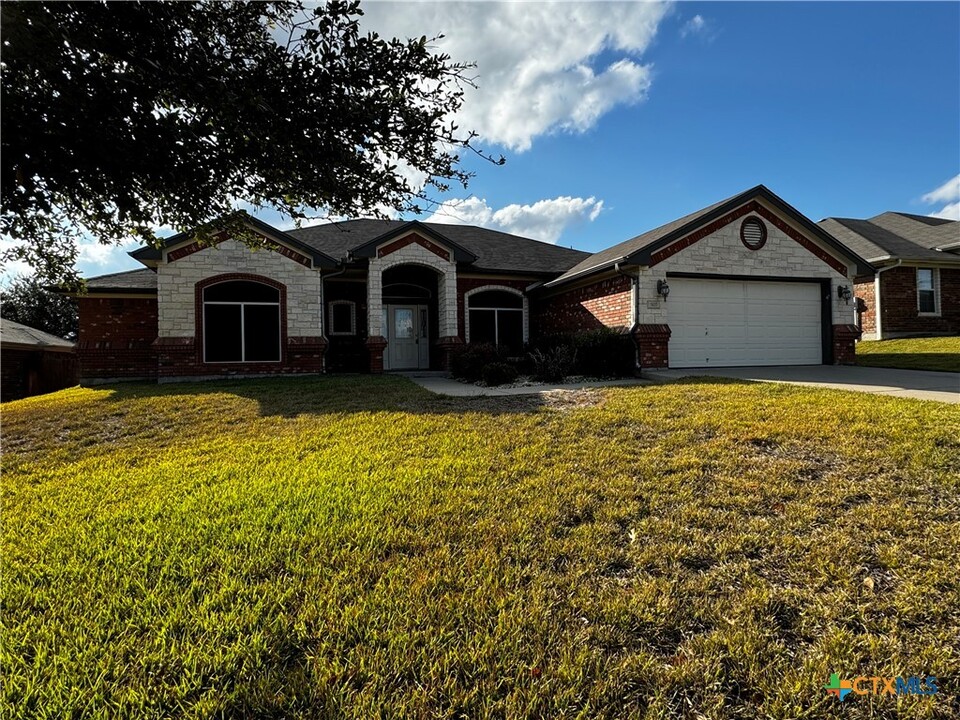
point(941, 362)
point(333, 394)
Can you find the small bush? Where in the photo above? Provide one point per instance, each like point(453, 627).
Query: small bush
point(605, 353)
point(468, 361)
point(499, 373)
point(554, 364)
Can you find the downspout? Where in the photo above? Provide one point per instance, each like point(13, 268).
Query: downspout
point(876, 297)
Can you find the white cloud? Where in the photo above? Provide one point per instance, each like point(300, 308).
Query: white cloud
point(544, 220)
point(693, 26)
point(538, 68)
point(950, 211)
point(949, 195)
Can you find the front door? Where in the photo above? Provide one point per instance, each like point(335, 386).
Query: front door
point(407, 337)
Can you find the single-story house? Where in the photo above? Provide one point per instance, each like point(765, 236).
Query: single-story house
point(33, 362)
point(746, 281)
point(916, 288)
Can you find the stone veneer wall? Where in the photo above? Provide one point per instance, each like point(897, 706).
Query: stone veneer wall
point(413, 254)
point(721, 252)
point(176, 282)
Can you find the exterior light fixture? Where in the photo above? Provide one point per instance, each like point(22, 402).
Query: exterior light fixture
point(843, 293)
point(663, 289)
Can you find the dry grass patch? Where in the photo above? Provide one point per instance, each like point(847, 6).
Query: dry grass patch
point(356, 547)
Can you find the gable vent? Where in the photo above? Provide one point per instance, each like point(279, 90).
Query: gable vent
point(753, 233)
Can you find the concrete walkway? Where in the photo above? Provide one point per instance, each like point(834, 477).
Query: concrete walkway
point(919, 384)
point(442, 385)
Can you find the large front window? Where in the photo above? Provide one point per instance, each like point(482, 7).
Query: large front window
point(496, 316)
point(241, 322)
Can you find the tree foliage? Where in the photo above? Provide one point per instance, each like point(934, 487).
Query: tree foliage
point(119, 117)
point(28, 302)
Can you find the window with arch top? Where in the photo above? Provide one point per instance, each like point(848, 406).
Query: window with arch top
point(241, 322)
point(496, 316)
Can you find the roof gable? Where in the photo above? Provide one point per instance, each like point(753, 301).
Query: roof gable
point(183, 244)
point(369, 249)
point(643, 249)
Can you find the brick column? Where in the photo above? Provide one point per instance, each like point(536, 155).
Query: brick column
point(652, 345)
point(845, 344)
point(376, 344)
point(447, 345)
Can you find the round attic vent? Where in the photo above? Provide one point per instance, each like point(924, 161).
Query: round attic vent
point(753, 233)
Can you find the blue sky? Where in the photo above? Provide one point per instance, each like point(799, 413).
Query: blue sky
point(617, 118)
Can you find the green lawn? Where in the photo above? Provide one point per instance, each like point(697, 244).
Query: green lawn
point(932, 353)
point(357, 548)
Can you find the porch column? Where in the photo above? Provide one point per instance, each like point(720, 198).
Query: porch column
point(376, 342)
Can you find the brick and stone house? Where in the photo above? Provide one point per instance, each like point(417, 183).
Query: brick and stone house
point(746, 281)
point(916, 288)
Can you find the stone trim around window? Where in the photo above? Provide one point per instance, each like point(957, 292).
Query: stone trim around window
point(504, 288)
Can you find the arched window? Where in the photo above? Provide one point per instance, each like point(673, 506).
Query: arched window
point(496, 316)
point(241, 322)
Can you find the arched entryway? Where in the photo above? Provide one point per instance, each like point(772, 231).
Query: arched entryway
point(409, 298)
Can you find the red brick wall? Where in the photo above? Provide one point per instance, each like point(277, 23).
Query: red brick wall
point(898, 303)
point(465, 285)
point(601, 304)
point(116, 337)
point(863, 291)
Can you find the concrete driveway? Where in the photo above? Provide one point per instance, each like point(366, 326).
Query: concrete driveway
point(919, 384)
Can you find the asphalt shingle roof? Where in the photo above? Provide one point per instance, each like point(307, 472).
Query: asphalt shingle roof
point(495, 250)
point(14, 332)
point(622, 250)
point(896, 235)
point(144, 280)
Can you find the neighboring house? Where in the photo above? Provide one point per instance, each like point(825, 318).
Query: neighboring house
point(916, 288)
point(751, 281)
point(33, 362)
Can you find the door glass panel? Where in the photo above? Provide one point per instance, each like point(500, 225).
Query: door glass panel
point(403, 323)
point(423, 322)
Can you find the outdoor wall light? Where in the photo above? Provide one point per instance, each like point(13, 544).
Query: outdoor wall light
point(663, 288)
point(843, 292)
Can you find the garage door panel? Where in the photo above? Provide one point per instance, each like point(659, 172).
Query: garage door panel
point(723, 323)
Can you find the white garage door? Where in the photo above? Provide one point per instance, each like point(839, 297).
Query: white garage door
point(724, 323)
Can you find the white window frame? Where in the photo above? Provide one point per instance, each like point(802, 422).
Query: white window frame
point(243, 339)
point(524, 308)
point(353, 317)
point(935, 281)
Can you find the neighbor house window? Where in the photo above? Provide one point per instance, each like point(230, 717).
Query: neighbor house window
point(343, 317)
point(927, 290)
point(496, 316)
point(241, 322)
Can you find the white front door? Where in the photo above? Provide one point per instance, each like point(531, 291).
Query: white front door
point(408, 346)
point(724, 323)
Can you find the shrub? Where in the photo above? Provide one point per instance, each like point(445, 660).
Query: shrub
point(468, 361)
point(499, 373)
point(554, 364)
point(605, 353)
